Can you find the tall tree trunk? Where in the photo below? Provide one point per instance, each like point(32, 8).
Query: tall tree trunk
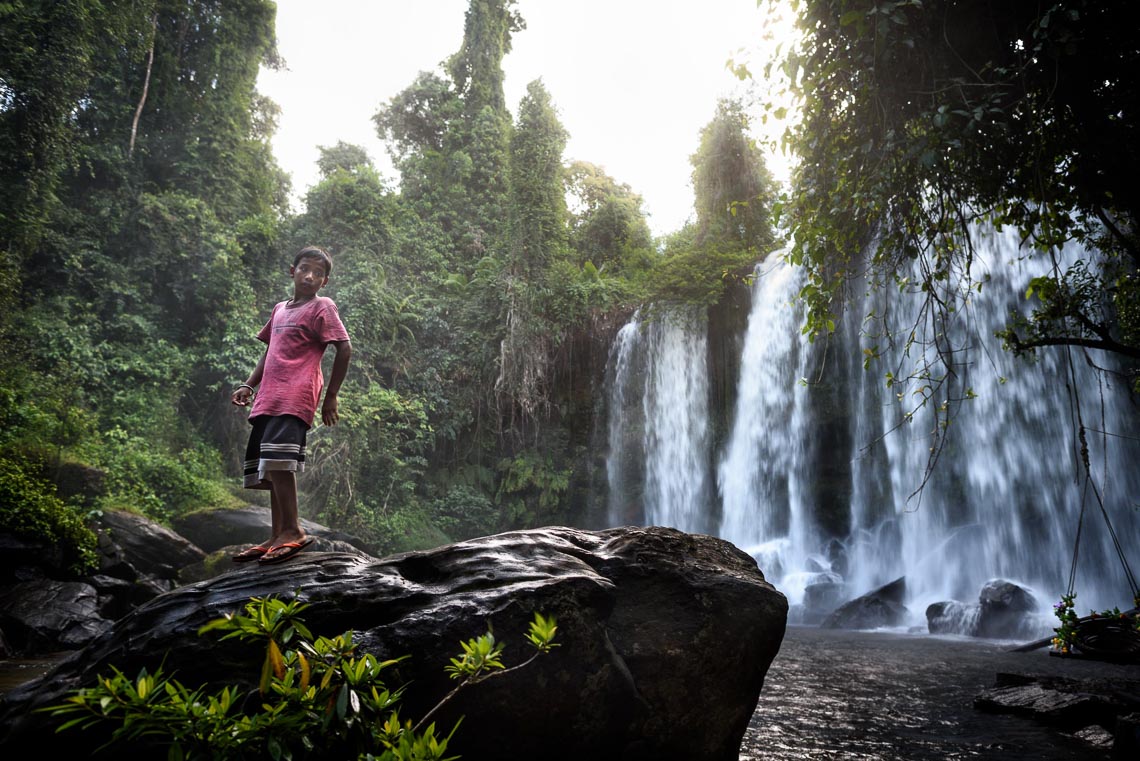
point(146, 85)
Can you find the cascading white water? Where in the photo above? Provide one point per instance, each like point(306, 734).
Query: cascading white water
point(765, 448)
point(1003, 500)
point(659, 387)
point(620, 378)
point(676, 422)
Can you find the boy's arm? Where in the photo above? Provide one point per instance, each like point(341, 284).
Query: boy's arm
point(329, 412)
point(243, 393)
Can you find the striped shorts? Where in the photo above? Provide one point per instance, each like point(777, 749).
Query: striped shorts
point(277, 442)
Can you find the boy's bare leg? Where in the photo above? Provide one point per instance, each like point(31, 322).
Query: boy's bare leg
point(252, 552)
point(283, 507)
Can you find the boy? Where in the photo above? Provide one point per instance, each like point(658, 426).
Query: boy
point(289, 374)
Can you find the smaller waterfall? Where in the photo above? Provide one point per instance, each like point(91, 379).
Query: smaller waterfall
point(676, 422)
point(657, 466)
point(624, 463)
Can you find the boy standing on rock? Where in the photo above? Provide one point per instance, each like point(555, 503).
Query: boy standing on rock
point(290, 380)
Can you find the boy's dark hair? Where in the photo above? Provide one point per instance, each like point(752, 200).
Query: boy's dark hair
point(312, 252)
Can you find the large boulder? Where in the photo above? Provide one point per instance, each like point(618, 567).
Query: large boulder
point(876, 609)
point(217, 529)
point(45, 615)
point(47, 609)
point(1008, 611)
point(150, 549)
point(1004, 610)
point(665, 641)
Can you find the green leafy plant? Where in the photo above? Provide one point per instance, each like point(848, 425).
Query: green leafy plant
point(317, 697)
point(30, 508)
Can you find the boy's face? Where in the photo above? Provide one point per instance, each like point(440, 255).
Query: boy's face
point(309, 276)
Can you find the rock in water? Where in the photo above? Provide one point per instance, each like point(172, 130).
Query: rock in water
point(882, 607)
point(1007, 611)
point(665, 640)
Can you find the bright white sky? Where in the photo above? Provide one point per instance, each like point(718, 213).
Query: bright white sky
point(634, 81)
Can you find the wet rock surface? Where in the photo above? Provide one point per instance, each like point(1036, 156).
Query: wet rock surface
point(879, 608)
point(665, 640)
point(1007, 611)
point(46, 609)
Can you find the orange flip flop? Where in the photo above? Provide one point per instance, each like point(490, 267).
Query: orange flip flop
point(290, 549)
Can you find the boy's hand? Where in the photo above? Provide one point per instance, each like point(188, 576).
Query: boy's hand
point(241, 396)
point(329, 413)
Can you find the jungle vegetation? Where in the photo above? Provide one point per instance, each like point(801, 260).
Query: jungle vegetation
point(925, 121)
point(146, 232)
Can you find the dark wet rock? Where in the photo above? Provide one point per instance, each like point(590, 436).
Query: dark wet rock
point(213, 530)
point(836, 554)
point(952, 617)
point(1007, 611)
point(138, 559)
point(118, 597)
point(147, 547)
point(48, 609)
point(1069, 704)
point(882, 607)
point(47, 615)
point(23, 559)
point(1126, 737)
point(665, 639)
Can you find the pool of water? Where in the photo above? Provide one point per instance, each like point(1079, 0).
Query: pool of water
point(16, 671)
point(842, 695)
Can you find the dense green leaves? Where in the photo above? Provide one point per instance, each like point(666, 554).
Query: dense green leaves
point(317, 698)
point(149, 235)
point(30, 509)
point(922, 119)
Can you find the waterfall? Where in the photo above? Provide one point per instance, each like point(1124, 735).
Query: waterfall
point(625, 452)
point(659, 381)
point(766, 448)
point(822, 475)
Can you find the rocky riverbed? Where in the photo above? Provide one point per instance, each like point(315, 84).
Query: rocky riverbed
point(838, 695)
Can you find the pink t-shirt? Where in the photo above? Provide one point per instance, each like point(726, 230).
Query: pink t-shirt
point(291, 382)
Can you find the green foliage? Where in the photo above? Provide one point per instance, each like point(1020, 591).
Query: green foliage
point(30, 509)
point(734, 196)
point(692, 273)
point(922, 119)
point(607, 224)
point(530, 486)
point(390, 528)
point(135, 218)
point(464, 512)
point(156, 482)
point(374, 456)
point(734, 189)
point(318, 697)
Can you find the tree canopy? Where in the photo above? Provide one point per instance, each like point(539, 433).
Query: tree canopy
point(150, 234)
point(922, 119)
